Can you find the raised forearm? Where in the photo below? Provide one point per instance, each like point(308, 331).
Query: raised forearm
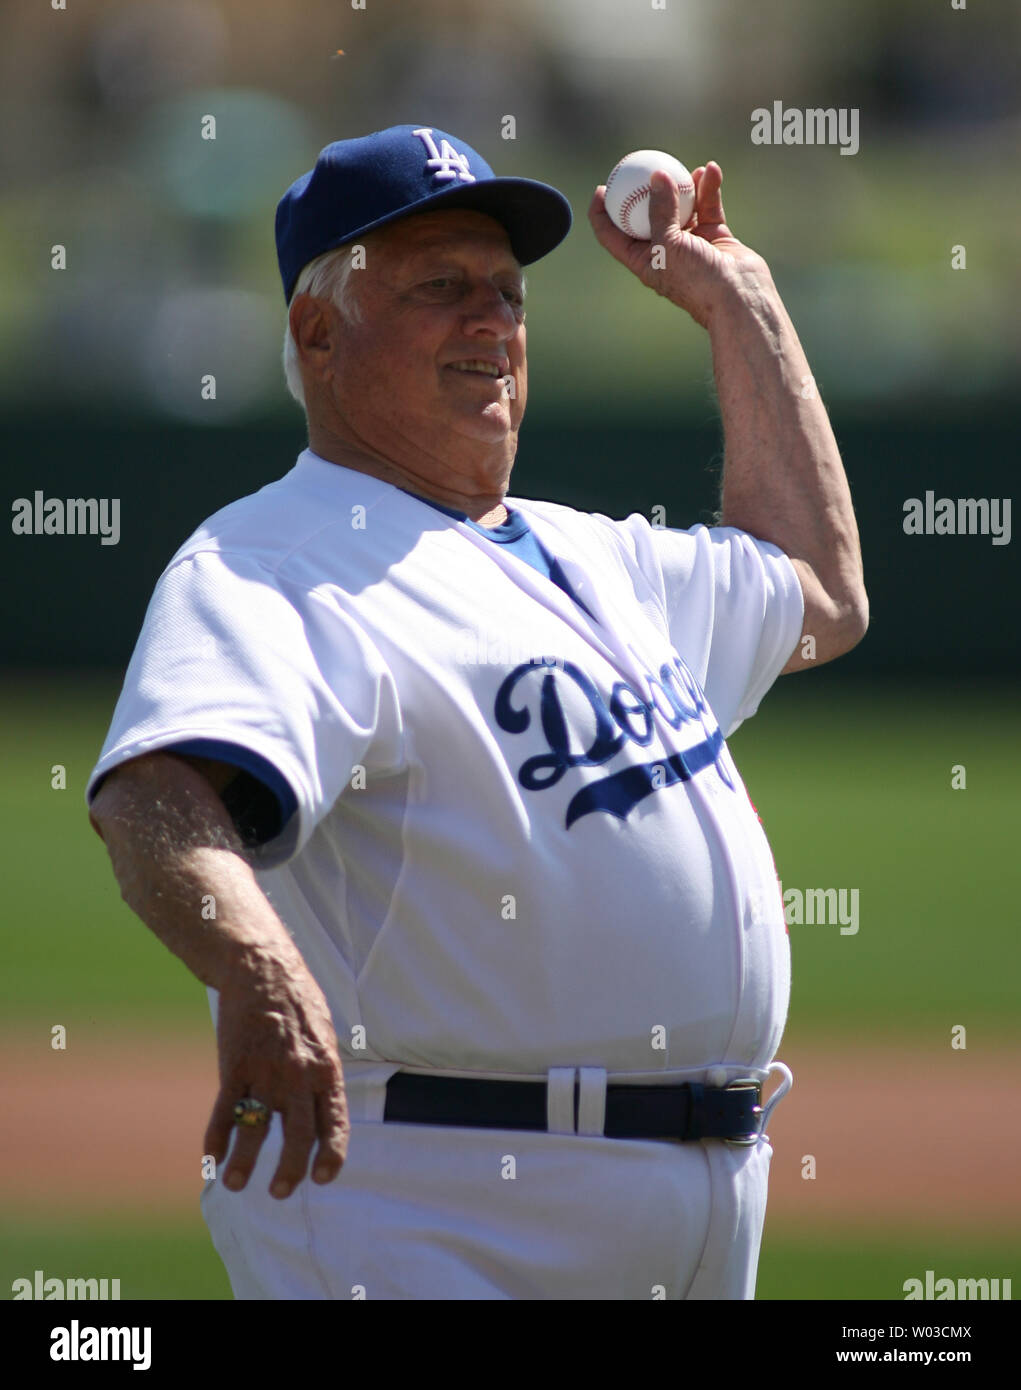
point(783, 479)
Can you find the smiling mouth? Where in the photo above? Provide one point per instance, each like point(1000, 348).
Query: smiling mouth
point(477, 367)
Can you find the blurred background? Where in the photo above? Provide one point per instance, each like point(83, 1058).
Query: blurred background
point(171, 275)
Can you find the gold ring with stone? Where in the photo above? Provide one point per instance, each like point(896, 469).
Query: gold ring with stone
point(251, 1113)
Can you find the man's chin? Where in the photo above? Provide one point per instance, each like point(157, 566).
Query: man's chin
point(491, 424)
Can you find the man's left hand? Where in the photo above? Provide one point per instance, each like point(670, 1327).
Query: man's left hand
point(702, 264)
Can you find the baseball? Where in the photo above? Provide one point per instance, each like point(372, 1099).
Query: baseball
point(627, 190)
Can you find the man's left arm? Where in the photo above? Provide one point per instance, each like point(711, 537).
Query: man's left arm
point(783, 479)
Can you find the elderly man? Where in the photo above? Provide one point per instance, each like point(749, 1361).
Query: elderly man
point(427, 783)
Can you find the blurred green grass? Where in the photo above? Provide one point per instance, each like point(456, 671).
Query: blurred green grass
point(853, 786)
point(152, 1259)
point(73, 950)
point(874, 1264)
point(164, 1260)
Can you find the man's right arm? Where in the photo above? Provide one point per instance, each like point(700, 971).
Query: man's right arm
point(175, 852)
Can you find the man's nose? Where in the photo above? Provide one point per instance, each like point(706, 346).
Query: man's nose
point(488, 311)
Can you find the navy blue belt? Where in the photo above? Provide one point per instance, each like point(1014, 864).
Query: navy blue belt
point(686, 1111)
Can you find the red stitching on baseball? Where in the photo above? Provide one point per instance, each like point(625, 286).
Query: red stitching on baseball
point(639, 194)
point(631, 201)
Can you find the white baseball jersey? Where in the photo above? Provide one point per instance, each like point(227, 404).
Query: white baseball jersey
point(497, 861)
point(519, 841)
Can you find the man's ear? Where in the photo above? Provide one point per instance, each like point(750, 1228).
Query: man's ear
point(312, 326)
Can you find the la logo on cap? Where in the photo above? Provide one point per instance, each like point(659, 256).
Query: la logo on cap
point(445, 162)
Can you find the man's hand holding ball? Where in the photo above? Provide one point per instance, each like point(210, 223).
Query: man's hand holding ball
point(650, 197)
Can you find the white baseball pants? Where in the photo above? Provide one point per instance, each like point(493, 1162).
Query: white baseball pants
point(435, 1213)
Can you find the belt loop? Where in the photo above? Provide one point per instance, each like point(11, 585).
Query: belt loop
point(778, 1095)
point(365, 1085)
point(560, 1100)
point(591, 1100)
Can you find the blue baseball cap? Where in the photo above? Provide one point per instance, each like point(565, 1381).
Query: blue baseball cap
point(358, 185)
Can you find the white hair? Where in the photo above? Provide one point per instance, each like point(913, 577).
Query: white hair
point(327, 277)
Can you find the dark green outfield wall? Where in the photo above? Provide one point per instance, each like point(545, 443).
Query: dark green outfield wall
point(941, 606)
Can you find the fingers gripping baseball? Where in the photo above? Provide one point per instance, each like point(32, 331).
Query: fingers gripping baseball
point(694, 263)
point(277, 1046)
point(709, 214)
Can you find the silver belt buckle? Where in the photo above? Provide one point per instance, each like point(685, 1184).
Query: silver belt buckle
point(746, 1083)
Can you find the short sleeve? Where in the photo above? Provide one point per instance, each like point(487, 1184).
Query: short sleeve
point(233, 652)
point(733, 607)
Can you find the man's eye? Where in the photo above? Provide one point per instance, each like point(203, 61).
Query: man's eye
point(440, 283)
